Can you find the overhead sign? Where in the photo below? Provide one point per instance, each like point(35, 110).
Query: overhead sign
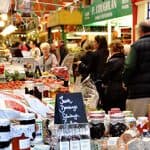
point(106, 9)
point(24, 6)
point(4, 6)
point(69, 108)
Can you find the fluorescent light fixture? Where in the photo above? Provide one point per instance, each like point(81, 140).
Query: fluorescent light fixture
point(56, 30)
point(2, 23)
point(8, 30)
point(91, 33)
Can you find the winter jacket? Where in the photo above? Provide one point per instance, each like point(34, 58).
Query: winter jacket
point(96, 65)
point(137, 69)
point(114, 93)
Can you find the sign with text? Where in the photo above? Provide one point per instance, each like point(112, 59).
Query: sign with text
point(102, 10)
point(24, 6)
point(69, 108)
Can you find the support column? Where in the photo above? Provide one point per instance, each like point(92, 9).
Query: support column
point(109, 31)
point(134, 21)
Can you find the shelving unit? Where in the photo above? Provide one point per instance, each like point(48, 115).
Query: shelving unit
point(126, 35)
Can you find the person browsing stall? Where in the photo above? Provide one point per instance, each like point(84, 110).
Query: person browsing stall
point(35, 51)
point(137, 72)
point(114, 92)
point(48, 60)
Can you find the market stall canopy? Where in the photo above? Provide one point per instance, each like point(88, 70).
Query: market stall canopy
point(65, 17)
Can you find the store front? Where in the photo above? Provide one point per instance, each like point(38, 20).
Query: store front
point(113, 14)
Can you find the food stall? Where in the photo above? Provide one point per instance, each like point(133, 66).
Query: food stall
point(31, 105)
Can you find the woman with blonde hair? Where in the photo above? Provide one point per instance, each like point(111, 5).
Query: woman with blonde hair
point(48, 60)
point(114, 93)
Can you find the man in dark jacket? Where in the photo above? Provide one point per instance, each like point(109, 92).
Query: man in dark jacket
point(137, 73)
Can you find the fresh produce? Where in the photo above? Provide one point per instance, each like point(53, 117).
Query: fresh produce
point(14, 76)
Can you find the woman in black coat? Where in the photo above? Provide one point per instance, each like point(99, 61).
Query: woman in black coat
point(114, 93)
point(97, 62)
point(86, 59)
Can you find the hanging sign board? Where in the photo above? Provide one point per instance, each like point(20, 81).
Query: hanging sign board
point(102, 10)
point(24, 6)
point(69, 108)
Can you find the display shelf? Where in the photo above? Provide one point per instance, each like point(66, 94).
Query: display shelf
point(126, 35)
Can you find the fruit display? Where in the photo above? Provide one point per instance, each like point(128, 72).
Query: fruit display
point(61, 73)
point(11, 85)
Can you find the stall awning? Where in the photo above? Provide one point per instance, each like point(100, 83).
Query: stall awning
point(65, 17)
point(102, 10)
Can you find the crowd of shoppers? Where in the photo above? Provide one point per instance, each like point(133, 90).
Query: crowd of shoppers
point(120, 82)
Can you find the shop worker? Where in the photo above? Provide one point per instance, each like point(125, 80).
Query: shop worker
point(48, 60)
point(137, 72)
point(35, 52)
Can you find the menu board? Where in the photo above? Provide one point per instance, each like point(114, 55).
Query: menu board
point(69, 108)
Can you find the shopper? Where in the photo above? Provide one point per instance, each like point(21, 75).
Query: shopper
point(96, 67)
point(35, 52)
point(55, 51)
point(114, 93)
point(86, 58)
point(15, 50)
point(48, 60)
point(63, 51)
point(137, 72)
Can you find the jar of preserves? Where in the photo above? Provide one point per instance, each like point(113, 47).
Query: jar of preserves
point(117, 124)
point(97, 127)
point(20, 141)
point(28, 120)
point(5, 136)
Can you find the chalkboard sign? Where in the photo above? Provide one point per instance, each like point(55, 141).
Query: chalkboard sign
point(69, 108)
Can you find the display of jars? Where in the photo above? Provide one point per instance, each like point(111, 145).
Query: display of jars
point(5, 136)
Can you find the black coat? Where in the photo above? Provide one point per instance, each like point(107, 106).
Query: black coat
point(86, 60)
point(114, 93)
point(137, 69)
point(95, 64)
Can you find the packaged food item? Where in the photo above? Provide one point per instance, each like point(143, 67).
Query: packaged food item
point(117, 124)
point(28, 120)
point(130, 122)
point(142, 124)
point(97, 127)
point(5, 134)
point(20, 139)
point(39, 130)
point(74, 137)
point(48, 128)
point(21, 143)
point(85, 142)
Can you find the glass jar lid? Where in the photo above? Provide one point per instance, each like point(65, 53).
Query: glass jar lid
point(27, 116)
point(4, 122)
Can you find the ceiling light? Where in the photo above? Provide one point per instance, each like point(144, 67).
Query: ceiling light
point(8, 30)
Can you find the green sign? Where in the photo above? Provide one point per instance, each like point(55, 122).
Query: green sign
point(106, 9)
